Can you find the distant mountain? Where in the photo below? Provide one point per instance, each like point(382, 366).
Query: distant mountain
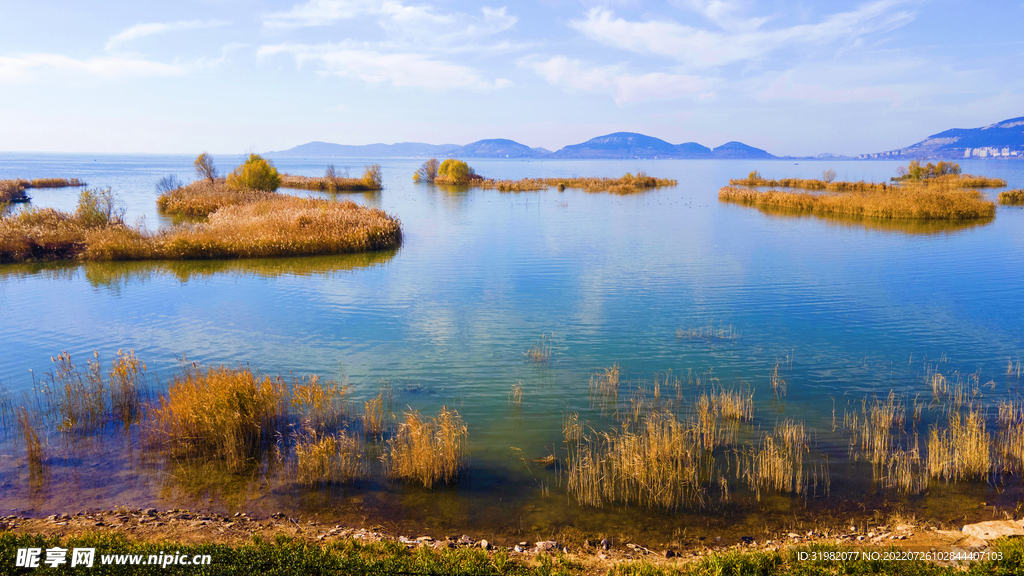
point(495, 148)
point(739, 150)
point(1000, 140)
point(400, 150)
point(631, 145)
point(619, 145)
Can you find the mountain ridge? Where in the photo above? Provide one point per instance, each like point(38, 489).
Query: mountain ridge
point(1004, 139)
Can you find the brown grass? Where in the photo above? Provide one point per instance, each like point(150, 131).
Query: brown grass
point(373, 415)
point(30, 433)
point(369, 181)
point(329, 458)
point(202, 198)
point(244, 224)
point(1011, 197)
point(218, 413)
point(949, 180)
point(428, 450)
point(14, 190)
point(321, 406)
point(627, 184)
point(906, 201)
point(515, 396)
point(963, 450)
point(127, 385)
point(541, 351)
point(604, 389)
point(660, 465)
point(778, 463)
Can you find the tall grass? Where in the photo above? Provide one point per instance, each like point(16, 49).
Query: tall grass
point(541, 351)
point(330, 182)
point(626, 184)
point(243, 224)
point(14, 190)
point(660, 465)
point(604, 389)
point(961, 451)
point(907, 201)
point(29, 426)
point(321, 406)
point(329, 457)
point(949, 180)
point(1011, 197)
point(127, 386)
point(203, 197)
point(777, 464)
point(373, 415)
point(219, 413)
point(428, 450)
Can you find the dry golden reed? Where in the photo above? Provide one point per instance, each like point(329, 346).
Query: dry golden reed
point(908, 201)
point(218, 413)
point(203, 197)
point(515, 396)
point(627, 184)
point(428, 450)
point(30, 434)
point(949, 180)
point(963, 450)
point(320, 406)
point(541, 351)
point(14, 190)
point(373, 415)
point(777, 465)
point(322, 458)
point(331, 183)
point(1011, 197)
point(660, 465)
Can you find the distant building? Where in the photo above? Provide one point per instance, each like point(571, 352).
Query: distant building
point(967, 153)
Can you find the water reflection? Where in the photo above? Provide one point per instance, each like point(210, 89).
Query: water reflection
point(113, 274)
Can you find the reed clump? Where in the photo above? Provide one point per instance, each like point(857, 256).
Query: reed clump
point(331, 182)
point(428, 450)
point(373, 415)
point(1010, 439)
point(14, 190)
point(1012, 197)
point(515, 396)
point(907, 201)
point(778, 463)
point(218, 413)
point(320, 405)
point(30, 434)
point(541, 351)
point(963, 450)
point(204, 197)
point(708, 333)
point(604, 388)
point(659, 465)
point(322, 458)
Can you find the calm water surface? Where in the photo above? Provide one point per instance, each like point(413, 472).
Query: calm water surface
point(848, 309)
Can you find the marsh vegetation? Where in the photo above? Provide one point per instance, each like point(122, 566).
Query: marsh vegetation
point(14, 190)
point(457, 172)
point(332, 181)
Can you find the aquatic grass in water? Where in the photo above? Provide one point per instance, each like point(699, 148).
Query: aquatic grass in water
point(626, 184)
point(329, 457)
point(218, 413)
point(14, 190)
point(331, 182)
point(963, 450)
point(204, 197)
point(541, 351)
point(428, 450)
point(777, 464)
point(708, 333)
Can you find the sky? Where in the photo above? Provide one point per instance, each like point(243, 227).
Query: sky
point(792, 77)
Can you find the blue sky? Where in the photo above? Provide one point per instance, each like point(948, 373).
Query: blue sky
point(225, 76)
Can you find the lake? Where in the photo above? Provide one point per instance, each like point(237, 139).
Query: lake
point(842, 310)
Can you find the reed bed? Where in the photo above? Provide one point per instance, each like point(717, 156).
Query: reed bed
point(708, 333)
point(370, 181)
point(963, 450)
point(627, 184)
point(1012, 197)
point(219, 413)
point(320, 405)
point(1010, 439)
point(250, 225)
point(326, 458)
point(14, 190)
point(428, 450)
point(204, 197)
point(908, 202)
point(777, 464)
point(604, 389)
point(660, 465)
point(30, 434)
point(541, 351)
point(947, 180)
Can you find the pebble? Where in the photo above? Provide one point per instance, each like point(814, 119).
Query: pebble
point(605, 543)
point(518, 548)
point(485, 544)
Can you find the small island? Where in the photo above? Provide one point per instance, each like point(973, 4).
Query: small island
point(458, 173)
point(242, 217)
point(13, 191)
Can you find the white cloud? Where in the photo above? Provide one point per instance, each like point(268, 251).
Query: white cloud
point(151, 28)
point(403, 69)
point(320, 13)
point(744, 39)
point(626, 88)
point(24, 67)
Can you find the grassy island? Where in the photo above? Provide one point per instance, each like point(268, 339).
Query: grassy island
point(241, 221)
point(946, 196)
point(331, 181)
point(14, 190)
point(457, 172)
point(1012, 197)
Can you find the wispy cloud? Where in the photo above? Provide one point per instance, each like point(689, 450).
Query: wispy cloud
point(626, 88)
point(403, 69)
point(151, 28)
point(735, 39)
point(24, 67)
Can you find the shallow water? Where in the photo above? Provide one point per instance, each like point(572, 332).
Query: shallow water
point(849, 308)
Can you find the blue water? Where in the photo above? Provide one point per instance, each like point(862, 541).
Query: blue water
point(850, 308)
